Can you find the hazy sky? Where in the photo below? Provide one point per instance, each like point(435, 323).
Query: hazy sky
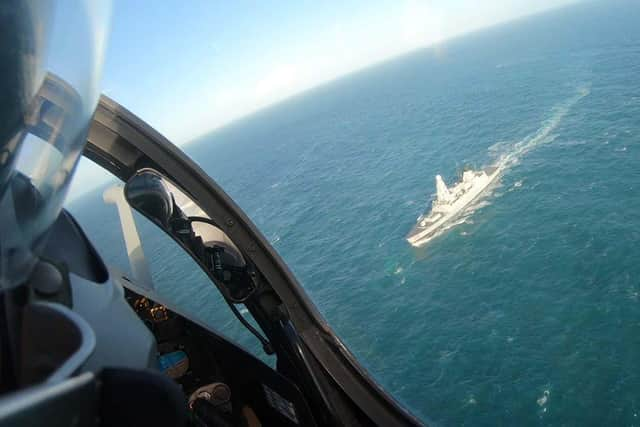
point(190, 66)
point(187, 67)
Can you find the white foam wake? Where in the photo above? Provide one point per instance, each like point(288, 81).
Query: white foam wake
point(544, 134)
point(512, 153)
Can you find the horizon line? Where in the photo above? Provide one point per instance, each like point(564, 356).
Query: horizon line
point(374, 64)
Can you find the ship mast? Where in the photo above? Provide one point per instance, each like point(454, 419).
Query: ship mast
point(442, 192)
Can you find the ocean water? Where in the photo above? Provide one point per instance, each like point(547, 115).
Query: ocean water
point(527, 311)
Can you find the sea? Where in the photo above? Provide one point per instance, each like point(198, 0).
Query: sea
point(526, 311)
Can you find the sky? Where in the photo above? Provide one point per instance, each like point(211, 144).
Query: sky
point(187, 68)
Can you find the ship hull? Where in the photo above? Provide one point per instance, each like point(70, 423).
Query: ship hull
point(421, 235)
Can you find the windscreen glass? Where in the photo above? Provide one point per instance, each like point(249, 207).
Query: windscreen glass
point(454, 183)
point(59, 47)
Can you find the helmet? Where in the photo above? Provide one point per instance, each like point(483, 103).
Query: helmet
point(50, 66)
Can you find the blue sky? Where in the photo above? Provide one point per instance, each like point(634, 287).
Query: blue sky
point(188, 67)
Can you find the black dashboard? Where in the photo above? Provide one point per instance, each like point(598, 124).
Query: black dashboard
point(195, 357)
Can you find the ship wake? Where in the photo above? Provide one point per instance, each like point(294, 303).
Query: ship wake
point(544, 135)
point(507, 157)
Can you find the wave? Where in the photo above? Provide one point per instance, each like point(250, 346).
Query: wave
point(542, 400)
